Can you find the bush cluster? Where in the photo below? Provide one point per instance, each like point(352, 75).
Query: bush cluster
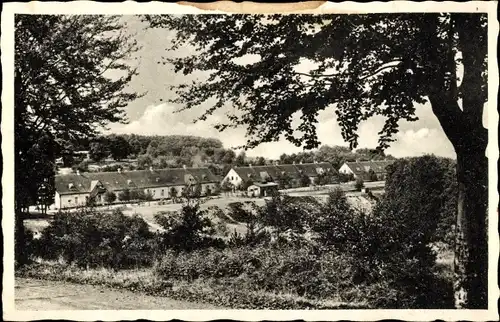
point(297, 271)
point(89, 238)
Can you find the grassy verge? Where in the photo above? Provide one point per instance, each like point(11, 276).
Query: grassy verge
point(225, 293)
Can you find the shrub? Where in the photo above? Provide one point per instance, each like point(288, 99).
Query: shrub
point(253, 236)
point(372, 176)
point(137, 194)
point(124, 195)
point(360, 184)
point(90, 238)
point(238, 212)
point(25, 245)
point(109, 197)
point(298, 271)
point(345, 177)
point(304, 181)
point(335, 224)
point(187, 230)
point(173, 192)
point(287, 214)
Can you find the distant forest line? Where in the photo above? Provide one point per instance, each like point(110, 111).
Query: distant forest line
point(174, 151)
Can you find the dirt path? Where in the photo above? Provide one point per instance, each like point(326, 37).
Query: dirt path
point(41, 295)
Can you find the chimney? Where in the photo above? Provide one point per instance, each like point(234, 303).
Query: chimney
point(184, 166)
point(77, 172)
point(151, 168)
point(119, 170)
point(300, 162)
point(250, 165)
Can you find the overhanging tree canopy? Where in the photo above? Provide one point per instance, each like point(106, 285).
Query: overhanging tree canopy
point(377, 64)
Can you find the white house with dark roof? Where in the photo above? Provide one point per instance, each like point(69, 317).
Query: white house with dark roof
point(266, 173)
point(75, 189)
point(361, 169)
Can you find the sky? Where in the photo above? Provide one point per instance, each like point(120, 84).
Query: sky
point(152, 115)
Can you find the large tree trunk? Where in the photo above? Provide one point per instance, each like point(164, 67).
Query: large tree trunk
point(463, 126)
point(471, 245)
point(471, 248)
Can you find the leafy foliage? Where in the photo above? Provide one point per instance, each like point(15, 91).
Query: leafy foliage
point(124, 195)
point(288, 216)
point(359, 184)
point(109, 197)
point(188, 230)
point(240, 213)
point(425, 189)
point(401, 57)
point(94, 239)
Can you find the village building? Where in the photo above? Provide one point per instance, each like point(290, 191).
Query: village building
point(365, 169)
point(76, 189)
point(237, 176)
point(262, 189)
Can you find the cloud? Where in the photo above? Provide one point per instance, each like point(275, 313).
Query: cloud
point(414, 139)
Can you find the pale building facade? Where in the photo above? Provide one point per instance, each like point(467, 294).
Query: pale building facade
point(73, 190)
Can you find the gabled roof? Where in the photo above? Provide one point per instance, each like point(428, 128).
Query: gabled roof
point(310, 169)
point(293, 170)
point(289, 169)
point(201, 175)
point(83, 183)
point(246, 173)
point(365, 166)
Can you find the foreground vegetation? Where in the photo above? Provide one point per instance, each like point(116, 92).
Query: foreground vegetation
point(296, 252)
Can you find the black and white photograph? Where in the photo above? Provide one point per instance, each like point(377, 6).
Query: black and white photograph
point(331, 158)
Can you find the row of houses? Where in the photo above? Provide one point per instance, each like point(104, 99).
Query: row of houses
point(264, 178)
point(76, 189)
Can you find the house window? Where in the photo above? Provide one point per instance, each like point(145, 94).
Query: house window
point(76, 199)
point(162, 192)
point(69, 200)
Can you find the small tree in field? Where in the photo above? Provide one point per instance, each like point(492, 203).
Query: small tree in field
point(197, 190)
point(124, 195)
point(109, 197)
point(334, 224)
point(188, 231)
point(304, 181)
point(226, 187)
point(372, 176)
point(360, 184)
point(173, 193)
